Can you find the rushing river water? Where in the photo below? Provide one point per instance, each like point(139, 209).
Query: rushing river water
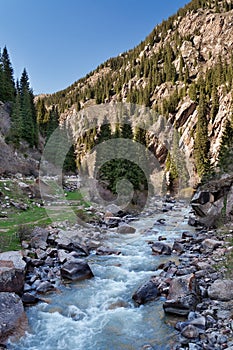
point(99, 313)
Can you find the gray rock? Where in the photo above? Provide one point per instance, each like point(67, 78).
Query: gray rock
point(126, 229)
point(76, 270)
point(74, 246)
point(178, 247)
point(202, 197)
point(221, 290)
point(39, 238)
point(199, 322)
point(29, 299)
point(186, 270)
point(147, 292)
point(106, 251)
point(12, 272)
point(45, 287)
point(182, 296)
point(161, 248)
point(16, 257)
point(210, 244)
point(193, 346)
point(62, 255)
point(13, 320)
point(190, 332)
point(113, 208)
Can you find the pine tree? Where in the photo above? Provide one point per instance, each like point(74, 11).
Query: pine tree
point(104, 150)
point(15, 133)
point(225, 157)
point(126, 128)
point(217, 8)
point(42, 116)
point(8, 84)
point(193, 92)
point(215, 102)
point(201, 141)
point(140, 135)
point(28, 112)
point(105, 132)
point(1, 81)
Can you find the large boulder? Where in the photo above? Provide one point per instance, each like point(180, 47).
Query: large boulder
point(183, 295)
point(12, 272)
point(39, 238)
point(76, 270)
point(214, 201)
point(160, 248)
point(210, 244)
point(221, 290)
point(13, 320)
point(147, 292)
point(74, 247)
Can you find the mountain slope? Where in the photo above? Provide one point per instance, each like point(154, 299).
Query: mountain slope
point(184, 60)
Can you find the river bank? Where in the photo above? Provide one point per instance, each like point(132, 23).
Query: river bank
point(157, 261)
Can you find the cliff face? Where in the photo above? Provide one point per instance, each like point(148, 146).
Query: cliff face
point(161, 72)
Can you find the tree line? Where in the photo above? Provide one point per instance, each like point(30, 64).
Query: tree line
point(28, 120)
point(20, 99)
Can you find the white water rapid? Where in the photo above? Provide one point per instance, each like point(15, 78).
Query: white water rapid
point(99, 313)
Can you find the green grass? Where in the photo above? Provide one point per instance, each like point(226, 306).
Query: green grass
point(17, 220)
point(227, 264)
point(77, 196)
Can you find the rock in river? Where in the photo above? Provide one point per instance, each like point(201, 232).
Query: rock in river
point(147, 292)
point(161, 248)
point(76, 270)
point(126, 229)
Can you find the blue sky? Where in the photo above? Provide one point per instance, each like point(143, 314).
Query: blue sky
point(60, 41)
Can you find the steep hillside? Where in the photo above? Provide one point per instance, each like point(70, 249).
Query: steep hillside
point(182, 71)
point(22, 159)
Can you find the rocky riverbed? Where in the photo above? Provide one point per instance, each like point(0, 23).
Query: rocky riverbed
point(191, 280)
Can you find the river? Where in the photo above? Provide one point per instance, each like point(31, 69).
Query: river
point(99, 313)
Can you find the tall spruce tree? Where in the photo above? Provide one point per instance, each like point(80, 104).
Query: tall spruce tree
point(15, 133)
point(28, 112)
point(8, 84)
point(1, 81)
point(225, 157)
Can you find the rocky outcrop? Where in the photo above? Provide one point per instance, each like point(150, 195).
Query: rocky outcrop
point(205, 35)
point(13, 320)
point(213, 202)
